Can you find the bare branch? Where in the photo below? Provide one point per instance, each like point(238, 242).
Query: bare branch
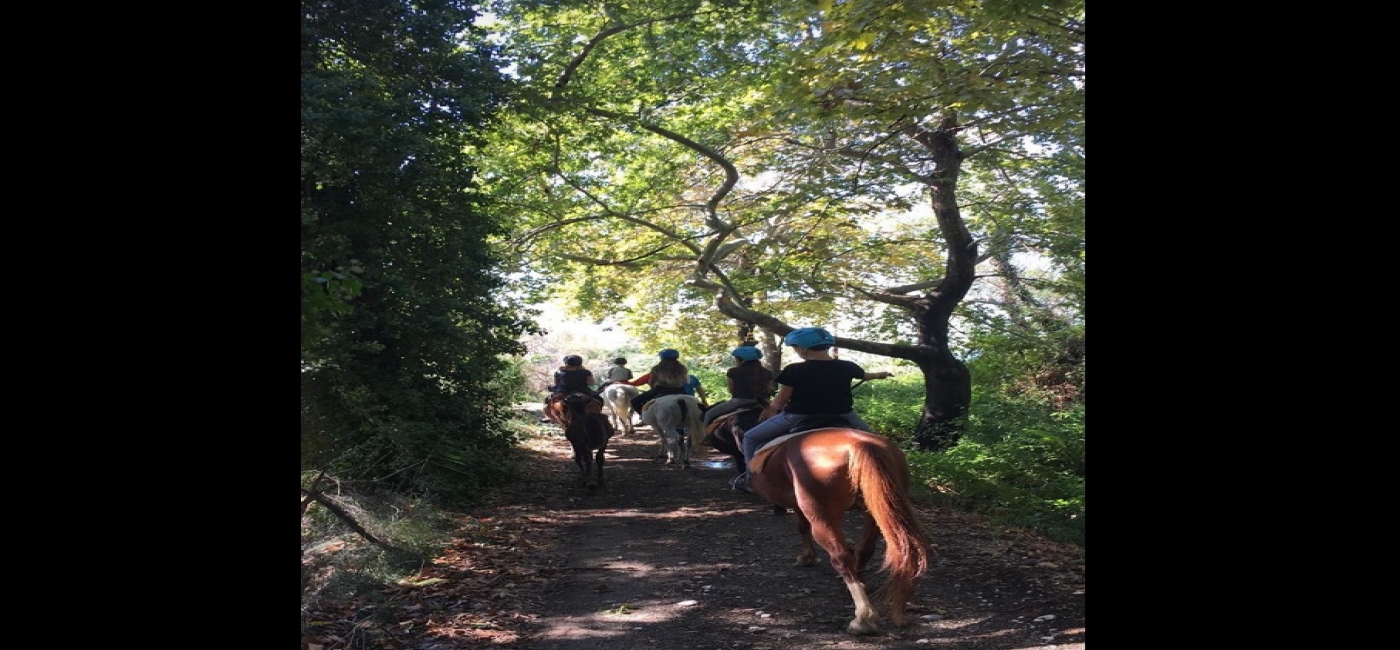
point(780, 329)
point(318, 497)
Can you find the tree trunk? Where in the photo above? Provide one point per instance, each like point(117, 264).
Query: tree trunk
point(947, 381)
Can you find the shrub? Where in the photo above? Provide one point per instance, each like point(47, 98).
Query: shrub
point(1020, 460)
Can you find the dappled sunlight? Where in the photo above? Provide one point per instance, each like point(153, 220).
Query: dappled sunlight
point(619, 620)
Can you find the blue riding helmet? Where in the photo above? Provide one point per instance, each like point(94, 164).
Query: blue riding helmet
point(808, 337)
point(748, 353)
point(668, 353)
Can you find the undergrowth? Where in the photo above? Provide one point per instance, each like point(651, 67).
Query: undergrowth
point(339, 563)
point(1020, 460)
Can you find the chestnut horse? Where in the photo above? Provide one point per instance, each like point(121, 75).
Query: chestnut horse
point(822, 473)
point(588, 433)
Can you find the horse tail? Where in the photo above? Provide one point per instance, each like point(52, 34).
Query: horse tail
point(881, 473)
point(690, 418)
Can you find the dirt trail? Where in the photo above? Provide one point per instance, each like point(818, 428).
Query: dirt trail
point(665, 558)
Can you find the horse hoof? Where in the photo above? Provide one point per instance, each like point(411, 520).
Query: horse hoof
point(862, 628)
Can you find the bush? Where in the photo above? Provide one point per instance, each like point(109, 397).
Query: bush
point(1020, 460)
point(892, 407)
point(1022, 466)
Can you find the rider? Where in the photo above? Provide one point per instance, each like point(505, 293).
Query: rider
point(668, 377)
point(572, 376)
point(817, 385)
point(749, 382)
point(618, 373)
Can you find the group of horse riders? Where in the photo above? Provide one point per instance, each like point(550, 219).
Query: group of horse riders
point(822, 474)
point(815, 387)
point(668, 377)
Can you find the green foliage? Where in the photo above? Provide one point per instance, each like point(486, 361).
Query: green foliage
point(1019, 463)
point(511, 382)
point(767, 151)
point(712, 378)
point(403, 329)
point(891, 406)
point(327, 293)
point(1021, 458)
point(421, 439)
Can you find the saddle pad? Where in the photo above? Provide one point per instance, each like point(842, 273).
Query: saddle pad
point(715, 423)
point(760, 457)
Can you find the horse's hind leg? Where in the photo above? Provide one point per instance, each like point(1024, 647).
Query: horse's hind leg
point(869, 535)
point(808, 556)
point(673, 447)
point(826, 529)
point(625, 414)
point(580, 459)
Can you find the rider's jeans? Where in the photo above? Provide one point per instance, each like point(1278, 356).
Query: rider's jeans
point(778, 425)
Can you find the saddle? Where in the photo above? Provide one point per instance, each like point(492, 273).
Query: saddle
point(808, 423)
point(652, 402)
point(719, 421)
point(593, 405)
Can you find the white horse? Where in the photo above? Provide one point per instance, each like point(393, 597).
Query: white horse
point(619, 399)
point(668, 414)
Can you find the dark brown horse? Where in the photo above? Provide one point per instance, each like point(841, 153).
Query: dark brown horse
point(726, 432)
point(557, 411)
point(821, 474)
point(588, 433)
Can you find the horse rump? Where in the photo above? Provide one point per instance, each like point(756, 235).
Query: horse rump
point(823, 473)
point(668, 416)
point(588, 435)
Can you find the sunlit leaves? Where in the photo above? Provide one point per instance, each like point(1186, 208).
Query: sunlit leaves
point(806, 101)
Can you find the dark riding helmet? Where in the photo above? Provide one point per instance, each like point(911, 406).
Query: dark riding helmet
point(747, 353)
point(809, 337)
point(573, 360)
point(620, 361)
point(668, 353)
